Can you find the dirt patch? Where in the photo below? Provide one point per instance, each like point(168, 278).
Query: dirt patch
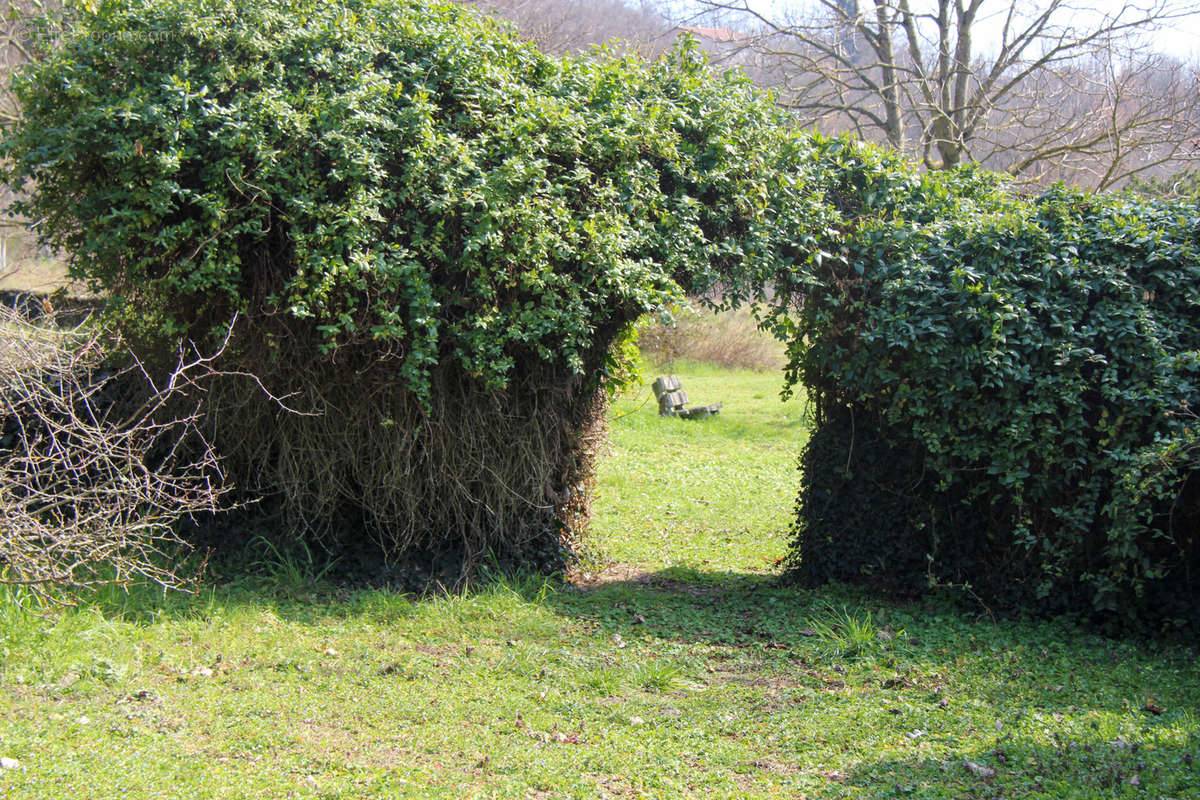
point(610, 573)
point(775, 682)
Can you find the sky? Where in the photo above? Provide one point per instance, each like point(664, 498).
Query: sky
point(1180, 38)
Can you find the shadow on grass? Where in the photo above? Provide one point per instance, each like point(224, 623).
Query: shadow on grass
point(1070, 713)
point(688, 605)
point(736, 608)
point(753, 612)
point(1073, 767)
point(678, 603)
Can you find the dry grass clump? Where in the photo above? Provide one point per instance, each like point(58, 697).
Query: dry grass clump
point(727, 338)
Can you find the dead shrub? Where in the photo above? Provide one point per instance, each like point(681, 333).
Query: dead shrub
point(471, 475)
point(97, 463)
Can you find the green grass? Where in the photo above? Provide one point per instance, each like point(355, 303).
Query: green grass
point(713, 494)
point(678, 669)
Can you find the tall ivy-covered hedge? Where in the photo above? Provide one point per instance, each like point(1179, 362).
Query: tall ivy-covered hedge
point(430, 234)
point(390, 171)
point(1006, 392)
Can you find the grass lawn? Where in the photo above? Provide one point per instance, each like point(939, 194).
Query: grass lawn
point(674, 668)
point(711, 495)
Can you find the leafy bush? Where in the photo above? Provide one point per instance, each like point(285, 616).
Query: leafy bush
point(430, 233)
point(1004, 392)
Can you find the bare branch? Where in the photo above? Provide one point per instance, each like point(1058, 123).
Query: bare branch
point(1047, 91)
point(92, 484)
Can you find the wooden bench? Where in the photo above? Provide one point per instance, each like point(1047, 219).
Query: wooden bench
point(672, 400)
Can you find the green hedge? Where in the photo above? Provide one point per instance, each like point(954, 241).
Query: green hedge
point(394, 172)
point(1023, 377)
point(431, 235)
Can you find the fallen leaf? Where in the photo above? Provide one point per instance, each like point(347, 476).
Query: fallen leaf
point(1153, 708)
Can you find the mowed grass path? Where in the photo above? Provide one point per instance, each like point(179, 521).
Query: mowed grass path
point(714, 495)
point(676, 669)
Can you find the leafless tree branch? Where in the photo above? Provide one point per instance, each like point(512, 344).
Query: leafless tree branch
point(1056, 90)
point(97, 465)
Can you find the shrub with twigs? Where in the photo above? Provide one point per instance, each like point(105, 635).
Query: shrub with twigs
point(97, 463)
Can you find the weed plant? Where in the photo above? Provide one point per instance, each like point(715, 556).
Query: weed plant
point(845, 634)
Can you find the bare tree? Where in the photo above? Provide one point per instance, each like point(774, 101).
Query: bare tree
point(91, 485)
point(1035, 89)
point(574, 26)
point(1098, 123)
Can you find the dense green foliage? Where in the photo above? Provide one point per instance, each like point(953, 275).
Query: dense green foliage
point(430, 233)
point(1034, 364)
point(410, 176)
